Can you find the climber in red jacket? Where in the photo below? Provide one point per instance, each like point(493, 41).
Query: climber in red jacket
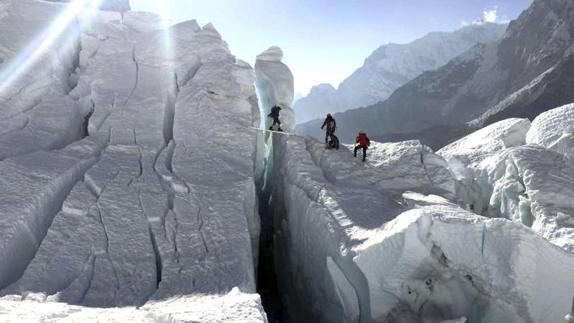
point(362, 142)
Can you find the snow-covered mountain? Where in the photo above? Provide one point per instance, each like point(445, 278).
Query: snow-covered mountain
point(391, 66)
point(525, 73)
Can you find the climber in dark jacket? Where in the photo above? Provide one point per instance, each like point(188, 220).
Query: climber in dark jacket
point(275, 116)
point(331, 125)
point(362, 142)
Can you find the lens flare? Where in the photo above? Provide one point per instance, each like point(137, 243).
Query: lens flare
point(165, 14)
point(25, 60)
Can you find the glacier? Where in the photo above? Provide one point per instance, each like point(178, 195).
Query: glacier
point(113, 187)
point(139, 185)
point(358, 245)
point(521, 171)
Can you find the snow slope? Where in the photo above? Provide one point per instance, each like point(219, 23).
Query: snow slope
point(391, 66)
point(129, 173)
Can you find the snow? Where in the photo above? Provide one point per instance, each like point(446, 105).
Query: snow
point(233, 307)
point(513, 170)
point(133, 176)
point(391, 66)
point(554, 130)
point(487, 141)
point(363, 246)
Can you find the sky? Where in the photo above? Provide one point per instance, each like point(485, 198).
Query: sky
point(324, 41)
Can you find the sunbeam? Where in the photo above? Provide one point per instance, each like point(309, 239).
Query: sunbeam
point(165, 13)
point(21, 64)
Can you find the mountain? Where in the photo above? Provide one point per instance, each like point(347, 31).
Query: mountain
point(391, 66)
point(528, 71)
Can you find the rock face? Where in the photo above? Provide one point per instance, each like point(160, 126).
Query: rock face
point(131, 176)
point(527, 72)
point(391, 66)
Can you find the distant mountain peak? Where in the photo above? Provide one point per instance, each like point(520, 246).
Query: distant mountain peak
point(391, 66)
point(526, 72)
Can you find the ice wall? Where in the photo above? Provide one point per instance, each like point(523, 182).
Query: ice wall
point(357, 244)
point(521, 172)
point(155, 195)
point(275, 86)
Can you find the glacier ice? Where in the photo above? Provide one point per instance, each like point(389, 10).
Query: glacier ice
point(275, 86)
point(554, 130)
point(358, 246)
point(514, 169)
point(134, 176)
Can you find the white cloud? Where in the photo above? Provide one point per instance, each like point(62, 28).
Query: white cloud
point(490, 15)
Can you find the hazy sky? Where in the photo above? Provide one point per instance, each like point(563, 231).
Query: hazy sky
point(326, 40)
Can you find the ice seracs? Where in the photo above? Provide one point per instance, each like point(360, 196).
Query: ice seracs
point(515, 170)
point(392, 250)
point(554, 130)
point(275, 86)
point(121, 202)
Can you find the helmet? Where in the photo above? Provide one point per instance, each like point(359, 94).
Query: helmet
point(329, 115)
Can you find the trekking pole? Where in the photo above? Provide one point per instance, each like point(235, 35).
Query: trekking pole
point(570, 317)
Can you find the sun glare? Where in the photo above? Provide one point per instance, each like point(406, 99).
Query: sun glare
point(21, 64)
point(165, 14)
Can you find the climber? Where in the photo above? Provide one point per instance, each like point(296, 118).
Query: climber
point(331, 125)
point(362, 142)
point(275, 116)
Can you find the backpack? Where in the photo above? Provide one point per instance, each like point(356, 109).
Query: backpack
point(334, 142)
point(363, 140)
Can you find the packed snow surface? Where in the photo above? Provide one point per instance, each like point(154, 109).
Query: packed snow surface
point(233, 307)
